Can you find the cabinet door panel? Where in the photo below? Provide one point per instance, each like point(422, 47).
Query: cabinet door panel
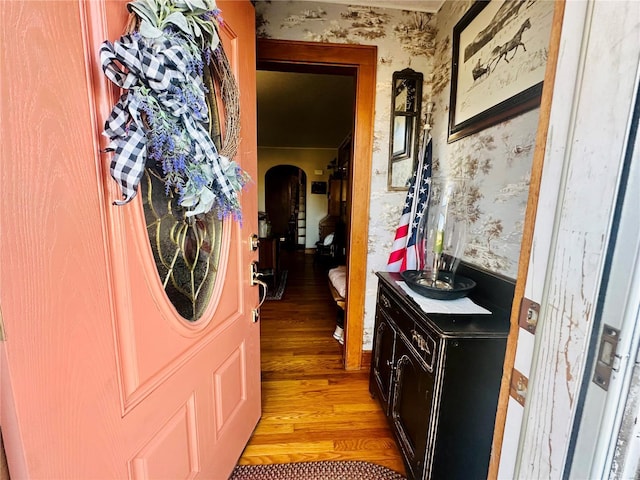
point(411, 407)
point(383, 352)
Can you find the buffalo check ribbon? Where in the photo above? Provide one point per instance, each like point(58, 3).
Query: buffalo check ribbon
point(157, 66)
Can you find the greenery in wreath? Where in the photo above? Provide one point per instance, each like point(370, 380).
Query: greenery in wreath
point(162, 120)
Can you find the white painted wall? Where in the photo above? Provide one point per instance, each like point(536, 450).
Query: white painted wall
point(309, 160)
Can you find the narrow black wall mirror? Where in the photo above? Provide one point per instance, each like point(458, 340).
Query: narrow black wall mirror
point(406, 104)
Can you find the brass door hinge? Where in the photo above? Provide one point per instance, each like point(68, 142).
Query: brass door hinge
point(529, 313)
point(518, 387)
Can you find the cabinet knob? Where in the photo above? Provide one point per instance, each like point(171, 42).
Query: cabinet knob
point(420, 341)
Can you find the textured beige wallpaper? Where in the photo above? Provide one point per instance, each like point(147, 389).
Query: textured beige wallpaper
point(494, 163)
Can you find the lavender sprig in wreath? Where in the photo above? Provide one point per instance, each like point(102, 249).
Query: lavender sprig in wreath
point(165, 62)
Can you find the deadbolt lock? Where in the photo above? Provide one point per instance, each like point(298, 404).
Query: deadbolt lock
point(254, 241)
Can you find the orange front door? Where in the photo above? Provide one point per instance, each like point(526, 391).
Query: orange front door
point(100, 376)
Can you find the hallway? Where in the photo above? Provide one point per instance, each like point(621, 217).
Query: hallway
point(312, 409)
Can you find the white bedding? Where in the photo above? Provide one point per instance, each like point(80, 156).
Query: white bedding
point(338, 278)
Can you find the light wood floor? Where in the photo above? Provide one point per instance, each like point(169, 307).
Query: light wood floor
point(312, 409)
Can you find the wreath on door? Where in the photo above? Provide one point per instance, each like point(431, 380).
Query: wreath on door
point(167, 62)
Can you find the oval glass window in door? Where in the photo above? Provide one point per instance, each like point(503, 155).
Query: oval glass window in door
point(186, 250)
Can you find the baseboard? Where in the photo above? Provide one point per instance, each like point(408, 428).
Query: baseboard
point(365, 360)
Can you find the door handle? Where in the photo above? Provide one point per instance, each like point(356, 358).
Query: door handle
point(255, 280)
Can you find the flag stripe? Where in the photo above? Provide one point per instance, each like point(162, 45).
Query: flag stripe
point(404, 254)
point(401, 233)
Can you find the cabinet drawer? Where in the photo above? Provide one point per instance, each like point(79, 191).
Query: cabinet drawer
point(392, 310)
point(425, 344)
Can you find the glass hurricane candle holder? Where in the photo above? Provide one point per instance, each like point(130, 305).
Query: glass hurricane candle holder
point(442, 236)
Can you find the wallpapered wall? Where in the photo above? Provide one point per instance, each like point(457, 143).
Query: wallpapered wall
point(494, 163)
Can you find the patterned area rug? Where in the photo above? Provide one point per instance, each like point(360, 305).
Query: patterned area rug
point(277, 292)
point(348, 470)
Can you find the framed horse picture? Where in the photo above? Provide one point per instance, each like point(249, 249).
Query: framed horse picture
point(500, 50)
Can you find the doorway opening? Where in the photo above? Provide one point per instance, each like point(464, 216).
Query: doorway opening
point(359, 62)
point(286, 204)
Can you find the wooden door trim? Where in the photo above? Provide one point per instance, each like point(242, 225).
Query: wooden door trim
point(527, 236)
point(285, 55)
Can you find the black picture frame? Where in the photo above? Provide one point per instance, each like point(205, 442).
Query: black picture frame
point(406, 110)
point(488, 83)
point(319, 188)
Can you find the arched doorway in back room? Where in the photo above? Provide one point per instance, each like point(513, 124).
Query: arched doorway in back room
point(285, 204)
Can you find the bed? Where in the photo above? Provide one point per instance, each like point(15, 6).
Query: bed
point(338, 288)
point(338, 285)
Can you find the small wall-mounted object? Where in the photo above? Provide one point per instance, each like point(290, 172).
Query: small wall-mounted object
point(428, 116)
point(529, 313)
point(518, 387)
point(406, 106)
point(319, 188)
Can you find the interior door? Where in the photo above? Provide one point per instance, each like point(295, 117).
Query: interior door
point(101, 377)
point(281, 200)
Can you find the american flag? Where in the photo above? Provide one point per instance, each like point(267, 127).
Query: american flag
point(404, 254)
